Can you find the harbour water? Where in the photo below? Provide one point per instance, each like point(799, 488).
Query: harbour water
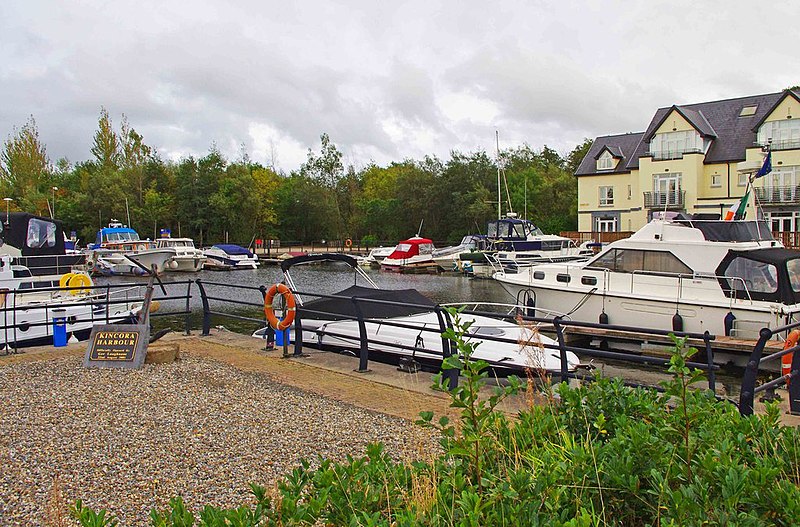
point(329, 278)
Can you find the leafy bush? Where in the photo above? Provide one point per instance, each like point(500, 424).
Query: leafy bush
point(604, 454)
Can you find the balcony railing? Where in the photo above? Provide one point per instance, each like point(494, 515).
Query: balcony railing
point(787, 144)
point(673, 154)
point(778, 195)
point(660, 200)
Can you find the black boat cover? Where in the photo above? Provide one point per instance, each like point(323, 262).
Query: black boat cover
point(404, 302)
point(33, 235)
point(771, 274)
point(326, 257)
point(730, 231)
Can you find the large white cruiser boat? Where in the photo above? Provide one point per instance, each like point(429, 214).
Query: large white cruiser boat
point(727, 277)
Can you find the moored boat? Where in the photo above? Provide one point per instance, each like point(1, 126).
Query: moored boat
point(187, 257)
point(229, 257)
point(730, 278)
point(414, 255)
point(118, 250)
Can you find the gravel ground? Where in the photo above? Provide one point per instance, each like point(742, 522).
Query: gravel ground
point(128, 440)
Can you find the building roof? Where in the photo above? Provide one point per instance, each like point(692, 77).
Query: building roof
point(718, 119)
point(621, 147)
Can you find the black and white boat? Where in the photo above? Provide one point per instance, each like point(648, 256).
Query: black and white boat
point(396, 323)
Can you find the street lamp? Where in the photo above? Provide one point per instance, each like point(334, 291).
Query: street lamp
point(54, 202)
point(7, 200)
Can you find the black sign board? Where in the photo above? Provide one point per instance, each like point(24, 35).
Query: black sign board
point(117, 346)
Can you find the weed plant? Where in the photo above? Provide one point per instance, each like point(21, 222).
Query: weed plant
point(598, 454)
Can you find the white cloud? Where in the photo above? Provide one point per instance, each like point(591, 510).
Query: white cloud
point(385, 81)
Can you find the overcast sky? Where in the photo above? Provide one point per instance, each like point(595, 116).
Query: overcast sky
point(386, 80)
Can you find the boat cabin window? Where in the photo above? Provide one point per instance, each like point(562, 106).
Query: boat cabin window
point(425, 248)
point(403, 247)
point(40, 234)
point(793, 266)
point(630, 260)
point(757, 277)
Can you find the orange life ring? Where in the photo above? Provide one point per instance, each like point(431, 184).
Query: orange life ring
point(786, 361)
point(348, 243)
point(288, 317)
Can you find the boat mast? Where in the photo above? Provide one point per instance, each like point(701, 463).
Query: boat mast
point(499, 202)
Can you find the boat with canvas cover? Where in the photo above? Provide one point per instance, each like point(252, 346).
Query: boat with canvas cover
point(229, 257)
point(414, 255)
point(331, 323)
point(727, 277)
point(118, 250)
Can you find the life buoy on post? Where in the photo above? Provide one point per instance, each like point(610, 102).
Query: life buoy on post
point(786, 360)
point(288, 317)
point(348, 243)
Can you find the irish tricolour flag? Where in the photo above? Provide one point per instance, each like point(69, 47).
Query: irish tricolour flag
point(737, 210)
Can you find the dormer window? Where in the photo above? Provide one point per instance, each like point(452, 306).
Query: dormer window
point(785, 134)
point(606, 161)
point(672, 145)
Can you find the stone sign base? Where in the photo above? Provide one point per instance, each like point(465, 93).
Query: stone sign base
point(163, 353)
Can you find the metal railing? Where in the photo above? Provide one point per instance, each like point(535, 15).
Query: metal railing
point(778, 195)
point(757, 359)
point(672, 199)
point(664, 155)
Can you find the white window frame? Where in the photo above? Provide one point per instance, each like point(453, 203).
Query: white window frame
point(672, 145)
point(605, 224)
point(742, 182)
point(716, 180)
point(606, 161)
point(606, 196)
point(783, 134)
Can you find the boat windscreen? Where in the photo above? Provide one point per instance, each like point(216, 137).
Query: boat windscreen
point(405, 302)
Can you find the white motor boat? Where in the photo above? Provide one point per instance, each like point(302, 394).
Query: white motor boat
point(448, 257)
point(375, 257)
point(228, 257)
point(413, 255)
point(726, 277)
point(331, 323)
point(187, 257)
point(118, 250)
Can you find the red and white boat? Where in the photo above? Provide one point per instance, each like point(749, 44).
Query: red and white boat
point(414, 255)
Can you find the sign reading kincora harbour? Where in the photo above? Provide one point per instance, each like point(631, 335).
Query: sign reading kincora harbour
point(117, 346)
point(114, 345)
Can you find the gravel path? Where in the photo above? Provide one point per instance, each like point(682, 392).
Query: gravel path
point(129, 440)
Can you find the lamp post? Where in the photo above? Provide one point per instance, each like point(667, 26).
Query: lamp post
point(54, 202)
point(8, 201)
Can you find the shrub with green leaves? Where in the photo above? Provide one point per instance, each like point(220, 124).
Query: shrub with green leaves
point(603, 454)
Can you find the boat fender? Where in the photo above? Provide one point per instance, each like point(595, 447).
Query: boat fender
point(64, 280)
point(77, 281)
point(786, 360)
point(728, 323)
point(288, 317)
point(604, 318)
point(677, 322)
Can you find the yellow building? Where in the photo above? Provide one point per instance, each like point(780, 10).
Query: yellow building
point(696, 158)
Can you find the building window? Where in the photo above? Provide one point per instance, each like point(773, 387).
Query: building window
point(748, 111)
point(780, 185)
point(743, 179)
point(672, 145)
point(716, 180)
point(605, 224)
point(606, 196)
point(606, 161)
point(783, 221)
point(630, 193)
point(785, 134)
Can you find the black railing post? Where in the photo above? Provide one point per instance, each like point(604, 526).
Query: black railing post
point(794, 385)
point(298, 334)
point(562, 351)
point(363, 356)
point(269, 331)
point(450, 374)
point(206, 309)
point(751, 373)
point(712, 378)
point(188, 322)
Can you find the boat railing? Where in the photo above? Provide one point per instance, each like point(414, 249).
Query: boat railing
point(107, 303)
point(758, 359)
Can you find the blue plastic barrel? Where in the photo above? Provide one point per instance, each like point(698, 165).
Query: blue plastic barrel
point(280, 335)
point(59, 327)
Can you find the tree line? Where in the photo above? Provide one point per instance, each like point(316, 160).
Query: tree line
point(212, 198)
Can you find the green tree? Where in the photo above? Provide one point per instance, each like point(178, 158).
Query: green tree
point(105, 147)
point(25, 169)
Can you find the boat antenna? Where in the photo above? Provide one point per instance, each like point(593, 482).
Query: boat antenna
point(420, 226)
point(128, 212)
